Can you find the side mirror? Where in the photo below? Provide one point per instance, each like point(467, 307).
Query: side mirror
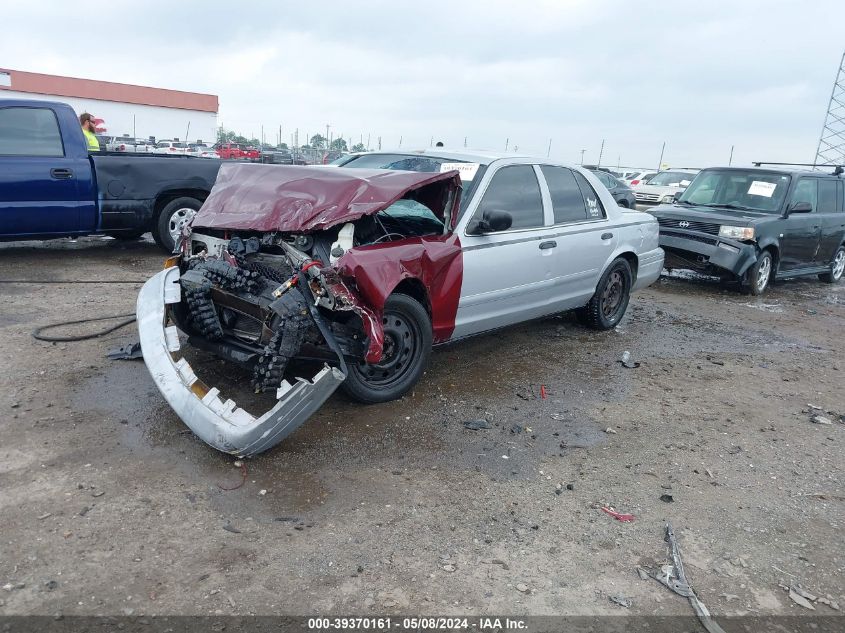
point(491, 221)
point(801, 207)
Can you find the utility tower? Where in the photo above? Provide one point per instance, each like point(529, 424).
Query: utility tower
point(831, 149)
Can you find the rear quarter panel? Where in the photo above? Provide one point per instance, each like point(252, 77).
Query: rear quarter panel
point(129, 185)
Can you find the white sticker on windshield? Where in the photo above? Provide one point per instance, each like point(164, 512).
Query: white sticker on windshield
point(759, 188)
point(467, 170)
point(592, 207)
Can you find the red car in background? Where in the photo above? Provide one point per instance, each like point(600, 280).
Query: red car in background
point(236, 151)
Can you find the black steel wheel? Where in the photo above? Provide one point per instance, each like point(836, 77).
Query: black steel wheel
point(610, 301)
point(407, 348)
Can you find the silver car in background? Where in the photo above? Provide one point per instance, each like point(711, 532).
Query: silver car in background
point(662, 188)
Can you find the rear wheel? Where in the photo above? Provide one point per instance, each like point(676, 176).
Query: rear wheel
point(608, 305)
point(758, 276)
point(175, 215)
point(407, 348)
point(837, 267)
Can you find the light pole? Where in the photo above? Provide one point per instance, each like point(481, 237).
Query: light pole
point(327, 135)
point(582, 156)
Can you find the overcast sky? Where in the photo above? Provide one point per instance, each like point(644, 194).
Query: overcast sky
point(701, 76)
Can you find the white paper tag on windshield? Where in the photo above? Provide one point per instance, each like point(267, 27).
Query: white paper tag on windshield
point(467, 170)
point(765, 189)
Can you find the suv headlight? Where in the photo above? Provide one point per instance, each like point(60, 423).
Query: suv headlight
point(737, 232)
point(668, 199)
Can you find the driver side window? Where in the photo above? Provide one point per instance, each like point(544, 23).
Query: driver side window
point(514, 190)
point(806, 191)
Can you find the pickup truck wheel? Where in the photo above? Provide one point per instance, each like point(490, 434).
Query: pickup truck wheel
point(407, 348)
point(758, 276)
point(608, 305)
point(837, 267)
point(172, 219)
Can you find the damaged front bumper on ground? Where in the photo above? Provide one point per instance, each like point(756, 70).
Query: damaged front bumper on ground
point(706, 253)
point(219, 423)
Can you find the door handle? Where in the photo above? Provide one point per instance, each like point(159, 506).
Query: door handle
point(60, 173)
point(549, 244)
point(606, 236)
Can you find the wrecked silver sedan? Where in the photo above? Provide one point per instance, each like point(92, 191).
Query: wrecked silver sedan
point(363, 270)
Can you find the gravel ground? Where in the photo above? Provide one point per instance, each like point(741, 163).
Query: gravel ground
point(110, 505)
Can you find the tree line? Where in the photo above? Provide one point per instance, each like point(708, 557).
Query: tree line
point(318, 141)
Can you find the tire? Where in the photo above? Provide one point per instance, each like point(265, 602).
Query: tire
point(608, 304)
point(172, 218)
point(837, 267)
point(405, 321)
point(759, 275)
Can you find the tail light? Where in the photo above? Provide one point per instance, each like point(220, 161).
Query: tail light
point(635, 182)
point(172, 149)
point(122, 148)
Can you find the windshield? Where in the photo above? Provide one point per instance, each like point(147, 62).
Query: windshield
point(672, 179)
point(471, 173)
point(179, 145)
point(738, 189)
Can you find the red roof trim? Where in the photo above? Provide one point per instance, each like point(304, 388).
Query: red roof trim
point(109, 91)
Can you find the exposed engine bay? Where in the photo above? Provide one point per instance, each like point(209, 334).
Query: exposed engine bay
point(259, 300)
point(284, 267)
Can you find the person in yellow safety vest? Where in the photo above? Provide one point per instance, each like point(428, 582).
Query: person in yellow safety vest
point(87, 122)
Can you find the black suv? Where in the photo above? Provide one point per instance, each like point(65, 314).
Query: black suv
point(754, 225)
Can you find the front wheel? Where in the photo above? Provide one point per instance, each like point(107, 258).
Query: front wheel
point(837, 267)
point(758, 276)
point(407, 348)
point(175, 215)
point(608, 304)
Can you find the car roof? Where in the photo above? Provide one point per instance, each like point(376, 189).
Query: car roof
point(470, 155)
point(780, 170)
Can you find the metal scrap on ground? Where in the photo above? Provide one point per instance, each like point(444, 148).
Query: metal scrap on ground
point(674, 577)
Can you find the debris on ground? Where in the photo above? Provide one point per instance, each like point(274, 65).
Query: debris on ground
point(667, 498)
point(242, 466)
point(804, 598)
point(674, 577)
point(231, 528)
point(610, 431)
point(476, 425)
point(12, 586)
point(627, 362)
point(522, 587)
point(130, 351)
point(800, 600)
point(821, 419)
point(622, 601)
point(619, 516)
point(450, 568)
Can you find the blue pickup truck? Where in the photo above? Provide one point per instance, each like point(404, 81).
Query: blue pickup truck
point(50, 186)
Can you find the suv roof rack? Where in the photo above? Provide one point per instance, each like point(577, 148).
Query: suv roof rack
point(837, 169)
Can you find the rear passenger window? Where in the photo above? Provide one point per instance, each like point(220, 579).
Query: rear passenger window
point(515, 189)
point(595, 209)
point(827, 196)
point(567, 201)
point(29, 132)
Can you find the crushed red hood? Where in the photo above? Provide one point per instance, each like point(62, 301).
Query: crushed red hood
point(300, 199)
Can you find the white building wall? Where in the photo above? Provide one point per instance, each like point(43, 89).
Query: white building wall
point(140, 121)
